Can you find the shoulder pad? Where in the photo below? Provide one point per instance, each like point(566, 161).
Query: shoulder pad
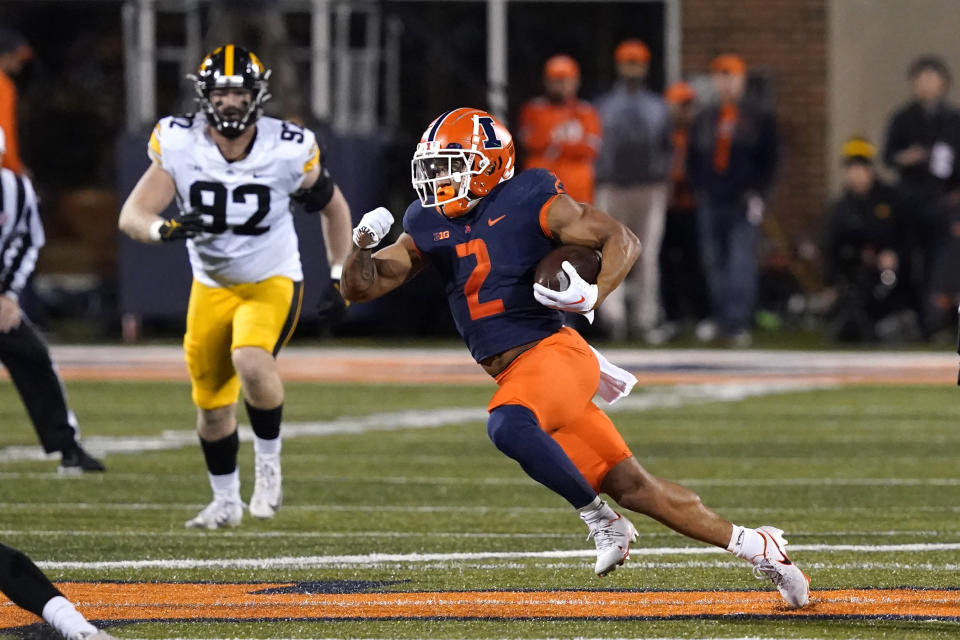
point(412, 215)
point(176, 132)
point(288, 139)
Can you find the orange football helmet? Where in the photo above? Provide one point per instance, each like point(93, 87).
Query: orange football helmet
point(460, 158)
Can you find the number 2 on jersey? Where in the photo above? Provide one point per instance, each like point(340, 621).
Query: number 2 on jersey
point(478, 248)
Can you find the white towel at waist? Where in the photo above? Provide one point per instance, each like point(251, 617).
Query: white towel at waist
point(615, 383)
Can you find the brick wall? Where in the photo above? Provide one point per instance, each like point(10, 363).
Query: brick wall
point(787, 39)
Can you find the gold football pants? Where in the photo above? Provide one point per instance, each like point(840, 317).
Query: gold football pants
point(221, 319)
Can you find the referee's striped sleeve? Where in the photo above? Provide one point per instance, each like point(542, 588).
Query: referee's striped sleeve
point(23, 237)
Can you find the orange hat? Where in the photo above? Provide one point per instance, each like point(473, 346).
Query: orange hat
point(561, 66)
point(729, 63)
point(680, 93)
point(632, 51)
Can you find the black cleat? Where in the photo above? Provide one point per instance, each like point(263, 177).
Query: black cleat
point(76, 461)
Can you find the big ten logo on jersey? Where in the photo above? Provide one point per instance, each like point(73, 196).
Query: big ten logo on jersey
point(441, 235)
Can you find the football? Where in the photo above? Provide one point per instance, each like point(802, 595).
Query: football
point(584, 259)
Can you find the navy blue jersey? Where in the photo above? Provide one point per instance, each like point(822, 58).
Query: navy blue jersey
point(487, 259)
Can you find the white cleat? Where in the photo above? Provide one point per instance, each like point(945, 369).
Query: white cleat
point(218, 514)
point(613, 538)
point(267, 488)
point(792, 583)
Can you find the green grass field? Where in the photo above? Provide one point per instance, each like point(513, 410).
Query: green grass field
point(851, 474)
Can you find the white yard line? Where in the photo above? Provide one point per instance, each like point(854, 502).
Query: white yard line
point(516, 481)
point(424, 534)
point(379, 559)
point(375, 508)
point(654, 398)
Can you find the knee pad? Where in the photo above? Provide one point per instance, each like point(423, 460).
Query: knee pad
point(506, 420)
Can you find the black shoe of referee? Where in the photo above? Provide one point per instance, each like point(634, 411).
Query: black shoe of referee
point(75, 461)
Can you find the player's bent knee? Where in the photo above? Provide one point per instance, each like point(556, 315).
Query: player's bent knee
point(253, 364)
point(505, 420)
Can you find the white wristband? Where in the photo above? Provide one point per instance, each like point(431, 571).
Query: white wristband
point(155, 230)
point(336, 270)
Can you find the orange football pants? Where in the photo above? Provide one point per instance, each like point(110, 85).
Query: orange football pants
point(556, 380)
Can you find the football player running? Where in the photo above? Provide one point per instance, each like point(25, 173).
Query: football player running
point(233, 173)
point(485, 230)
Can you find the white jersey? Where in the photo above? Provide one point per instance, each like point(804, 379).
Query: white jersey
point(249, 234)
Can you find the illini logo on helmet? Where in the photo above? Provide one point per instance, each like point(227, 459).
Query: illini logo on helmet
point(461, 157)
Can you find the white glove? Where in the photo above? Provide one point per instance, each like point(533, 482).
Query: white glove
point(373, 227)
point(579, 297)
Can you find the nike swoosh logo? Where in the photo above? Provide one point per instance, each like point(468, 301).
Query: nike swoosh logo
point(494, 221)
point(582, 299)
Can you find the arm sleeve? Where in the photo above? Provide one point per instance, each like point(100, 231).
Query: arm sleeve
point(693, 153)
point(20, 253)
point(768, 154)
point(828, 245)
point(895, 141)
point(8, 120)
point(589, 145)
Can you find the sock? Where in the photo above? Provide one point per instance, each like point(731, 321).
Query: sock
point(515, 431)
point(745, 543)
point(221, 455)
point(226, 485)
point(23, 582)
point(265, 422)
point(597, 510)
point(62, 616)
point(266, 448)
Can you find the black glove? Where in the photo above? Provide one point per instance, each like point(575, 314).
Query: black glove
point(181, 227)
point(332, 307)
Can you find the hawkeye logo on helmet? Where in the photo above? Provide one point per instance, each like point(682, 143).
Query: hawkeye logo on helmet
point(231, 66)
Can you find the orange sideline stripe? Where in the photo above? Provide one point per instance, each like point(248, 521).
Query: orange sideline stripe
point(186, 601)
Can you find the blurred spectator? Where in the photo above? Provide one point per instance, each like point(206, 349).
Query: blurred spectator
point(731, 162)
point(682, 288)
point(922, 142)
point(559, 132)
point(14, 53)
point(944, 282)
point(863, 248)
point(632, 171)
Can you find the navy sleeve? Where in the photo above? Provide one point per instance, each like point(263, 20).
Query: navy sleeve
point(536, 188)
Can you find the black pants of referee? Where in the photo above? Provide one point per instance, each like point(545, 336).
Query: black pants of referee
point(23, 582)
point(27, 358)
